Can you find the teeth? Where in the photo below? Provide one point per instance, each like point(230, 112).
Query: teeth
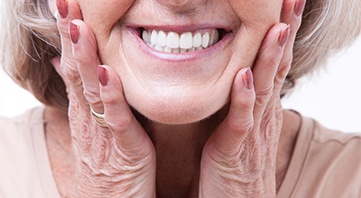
point(214, 35)
point(154, 37)
point(197, 40)
point(205, 40)
point(162, 39)
point(171, 42)
point(186, 40)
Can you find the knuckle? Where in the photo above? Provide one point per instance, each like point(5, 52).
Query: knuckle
point(295, 24)
point(70, 72)
point(269, 124)
point(274, 59)
point(110, 100)
point(263, 96)
point(283, 71)
point(286, 61)
point(92, 95)
point(240, 125)
point(120, 124)
point(85, 58)
point(244, 102)
point(63, 29)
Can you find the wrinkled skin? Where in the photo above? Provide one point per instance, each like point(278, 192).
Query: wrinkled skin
point(238, 152)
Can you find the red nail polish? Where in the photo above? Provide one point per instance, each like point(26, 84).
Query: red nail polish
point(283, 37)
point(299, 7)
point(103, 75)
point(74, 32)
point(62, 6)
point(248, 79)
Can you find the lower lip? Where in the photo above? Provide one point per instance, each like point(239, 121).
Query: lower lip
point(181, 57)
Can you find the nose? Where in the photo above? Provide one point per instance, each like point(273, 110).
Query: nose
point(181, 5)
point(177, 2)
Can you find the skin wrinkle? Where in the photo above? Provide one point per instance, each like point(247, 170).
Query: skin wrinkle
point(261, 31)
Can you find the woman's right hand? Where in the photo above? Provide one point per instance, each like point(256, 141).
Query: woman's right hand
point(117, 160)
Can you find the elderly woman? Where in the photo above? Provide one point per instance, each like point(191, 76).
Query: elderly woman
point(172, 98)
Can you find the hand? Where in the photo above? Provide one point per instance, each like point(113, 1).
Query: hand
point(239, 159)
point(113, 161)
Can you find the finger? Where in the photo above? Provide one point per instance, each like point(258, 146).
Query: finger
point(68, 10)
point(267, 64)
point(84, 50)
point(119, 118)
point(292, 15)
point(55, 62)
point(239, 121)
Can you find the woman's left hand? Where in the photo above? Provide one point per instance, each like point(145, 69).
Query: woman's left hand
point(239, 159)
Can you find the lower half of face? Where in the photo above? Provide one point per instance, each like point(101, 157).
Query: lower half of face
point(177, 63)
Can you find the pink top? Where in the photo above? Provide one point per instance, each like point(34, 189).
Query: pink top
point(325, 163)
point(24, 163)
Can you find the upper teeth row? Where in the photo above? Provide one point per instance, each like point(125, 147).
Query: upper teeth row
point(173, 42)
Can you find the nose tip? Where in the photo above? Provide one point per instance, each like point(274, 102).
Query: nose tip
point(177, 2)
point(181, 5)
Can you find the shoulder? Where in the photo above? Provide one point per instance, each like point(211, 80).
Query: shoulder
point(19, 127)
point(18, 140)
point(342, 149)
point(332, 162)
point(324, 135)
point(31, 116)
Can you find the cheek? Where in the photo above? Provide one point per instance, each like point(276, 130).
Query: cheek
point(257, 11)
point(102, 15)
point(257, 17)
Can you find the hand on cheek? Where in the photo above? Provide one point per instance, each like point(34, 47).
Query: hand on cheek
point(116, 157)
point(239, 159)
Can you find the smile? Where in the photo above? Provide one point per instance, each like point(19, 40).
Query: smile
point(179, 43)
point(173, 42)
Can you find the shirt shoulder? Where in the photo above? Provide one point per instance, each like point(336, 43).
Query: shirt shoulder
point(331, 164)
point(324, 135)
point(20, 138)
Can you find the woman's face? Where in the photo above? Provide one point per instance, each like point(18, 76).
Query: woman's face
point(177, 58)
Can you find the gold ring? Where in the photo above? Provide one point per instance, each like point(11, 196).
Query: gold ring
point(99, 118)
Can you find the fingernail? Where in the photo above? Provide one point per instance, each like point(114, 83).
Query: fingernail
point(103, 75)
point(299, 7)
point(74, 32)
point(283, 37)
point(62, 6)
point(248, 79)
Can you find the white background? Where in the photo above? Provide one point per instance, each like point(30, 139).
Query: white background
point(333, 96)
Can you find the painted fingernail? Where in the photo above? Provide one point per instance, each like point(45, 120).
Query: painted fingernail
point(103, 75)
point(248, 79)
point(299, 7)
point(74, 32)
point(283, 37)
point(62, 6)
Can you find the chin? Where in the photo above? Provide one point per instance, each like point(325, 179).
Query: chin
point(176, 110)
